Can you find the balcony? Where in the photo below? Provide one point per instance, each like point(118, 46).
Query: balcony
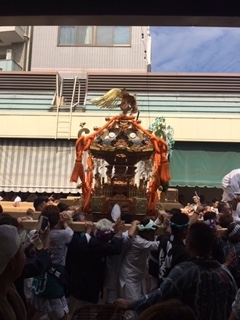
point(9, 65)
point(11, 34)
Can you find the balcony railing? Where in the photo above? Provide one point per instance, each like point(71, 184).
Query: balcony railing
point(9, 65)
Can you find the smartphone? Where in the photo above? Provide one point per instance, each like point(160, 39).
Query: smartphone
point(43, 223)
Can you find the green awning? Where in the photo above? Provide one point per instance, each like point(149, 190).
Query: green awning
point(202, 164)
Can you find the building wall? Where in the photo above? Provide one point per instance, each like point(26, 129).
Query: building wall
point(209, 128)
point(47, 56)
point(18, 53)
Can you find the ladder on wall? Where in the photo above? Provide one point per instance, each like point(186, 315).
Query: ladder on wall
point(68, 99)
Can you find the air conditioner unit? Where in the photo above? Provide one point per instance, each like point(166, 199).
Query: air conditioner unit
point(9, 54)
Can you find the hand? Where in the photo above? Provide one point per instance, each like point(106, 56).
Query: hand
point(186, 209)
point(133, 229)
point(50, 202)
point(135, 223)
point(231, 258)
point(64, 217)
point(19, 220)
point(122, 304)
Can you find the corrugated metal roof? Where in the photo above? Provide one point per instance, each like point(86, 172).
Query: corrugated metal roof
point(26, 101)
point(155, 82)
point(156, 92)
point(181, 103)
point(28, 81)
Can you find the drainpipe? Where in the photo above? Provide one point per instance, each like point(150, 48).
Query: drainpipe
point(149, 50)
point(28, 48)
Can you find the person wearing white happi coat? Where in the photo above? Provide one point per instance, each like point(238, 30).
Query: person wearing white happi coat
point(132, 272)
point(230, 185)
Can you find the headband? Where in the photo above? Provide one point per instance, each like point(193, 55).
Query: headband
point(102, 234)
point(179, 226)
point(150, 226)
point(210, 222)
point(235, 232)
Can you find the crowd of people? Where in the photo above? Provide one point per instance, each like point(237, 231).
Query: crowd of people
point(174, 265)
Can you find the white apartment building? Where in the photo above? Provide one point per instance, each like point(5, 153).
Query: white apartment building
point(80, 49)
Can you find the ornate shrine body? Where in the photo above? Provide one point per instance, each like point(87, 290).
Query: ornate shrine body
point(126, 164)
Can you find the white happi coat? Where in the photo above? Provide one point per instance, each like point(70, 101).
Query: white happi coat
point(230, 184)
point(132, 272)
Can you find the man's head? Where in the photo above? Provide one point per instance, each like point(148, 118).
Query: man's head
point(225, 220)
point(196, 199)
point(62, 206)
point(210, 218)
point(206, 208)
point(223, 208)
point(79, 216)
point(6, 218)
point(40, 203)
point(170, 309)
point(200, 239)
point(12, 256)
point(215, 202)
point(147, 229)
point(104, 230)
point(179, 223)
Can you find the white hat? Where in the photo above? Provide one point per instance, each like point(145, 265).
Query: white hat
point(9, 245)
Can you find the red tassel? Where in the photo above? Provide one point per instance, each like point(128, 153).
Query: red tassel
point(165, 172)
point(76, 170)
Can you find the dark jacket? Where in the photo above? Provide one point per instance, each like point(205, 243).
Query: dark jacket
point(85, 265)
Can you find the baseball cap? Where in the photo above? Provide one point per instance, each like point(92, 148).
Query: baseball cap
point(9, 245)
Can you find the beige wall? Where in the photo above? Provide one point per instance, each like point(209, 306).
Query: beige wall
point(186, 128)
point(47, 56)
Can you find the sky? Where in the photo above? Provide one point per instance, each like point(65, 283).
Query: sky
point(195, 49)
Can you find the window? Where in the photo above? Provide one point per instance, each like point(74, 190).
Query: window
point(94, 36)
